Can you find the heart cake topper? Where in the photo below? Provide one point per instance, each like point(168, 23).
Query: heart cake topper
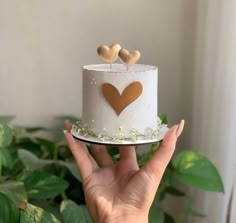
point(109, 54)
point(129, 58)
point(120, 101)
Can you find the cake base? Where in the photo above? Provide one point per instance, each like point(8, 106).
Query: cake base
point(80, 132)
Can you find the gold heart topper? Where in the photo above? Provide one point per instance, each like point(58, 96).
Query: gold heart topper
point(120, 102)
point(109, 54)
point(129, 58)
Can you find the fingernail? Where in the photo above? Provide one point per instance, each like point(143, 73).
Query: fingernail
point(65, 131)
point(180, 128)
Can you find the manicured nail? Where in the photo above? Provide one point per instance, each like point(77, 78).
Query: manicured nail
point(180, 128)
point(65, 131)
point(22, 205)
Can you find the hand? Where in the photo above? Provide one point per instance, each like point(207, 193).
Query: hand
point(121, 192)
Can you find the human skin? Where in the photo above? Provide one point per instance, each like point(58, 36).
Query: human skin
point(121, 192)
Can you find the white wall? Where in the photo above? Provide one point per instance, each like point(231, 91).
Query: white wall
point(43, 45)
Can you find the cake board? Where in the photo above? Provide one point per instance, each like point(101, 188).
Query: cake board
point(139, 141)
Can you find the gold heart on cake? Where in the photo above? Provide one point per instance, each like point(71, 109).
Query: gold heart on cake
point(109, 54)
point(129, 58)
point(120, 101)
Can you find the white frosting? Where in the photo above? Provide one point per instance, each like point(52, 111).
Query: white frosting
point(119, 68)
point(139, 115)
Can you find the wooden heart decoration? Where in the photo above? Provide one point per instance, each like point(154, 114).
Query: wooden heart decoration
point(109, 54)
point(120, 101)
point(129, 58)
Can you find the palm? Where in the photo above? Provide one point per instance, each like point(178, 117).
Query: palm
point(116, 187)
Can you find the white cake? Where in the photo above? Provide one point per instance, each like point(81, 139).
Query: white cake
point(110, 115)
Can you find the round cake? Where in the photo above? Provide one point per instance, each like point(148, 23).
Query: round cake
point(119, 104)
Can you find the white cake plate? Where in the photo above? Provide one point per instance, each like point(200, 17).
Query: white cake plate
point(95, 140)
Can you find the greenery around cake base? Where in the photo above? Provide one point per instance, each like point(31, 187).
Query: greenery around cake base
point(134, 135)
point(40, 182)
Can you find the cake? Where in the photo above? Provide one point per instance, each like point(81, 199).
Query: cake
point(119, 104)
point(119, 100)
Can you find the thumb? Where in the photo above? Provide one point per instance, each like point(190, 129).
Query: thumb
point(156, 166)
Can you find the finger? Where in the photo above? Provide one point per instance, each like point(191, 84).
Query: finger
point(101, 155)
point(127, 152)
point(68, 125)
point(180, 128)
point(84, 147)
point(156, 166)
point(84, 161)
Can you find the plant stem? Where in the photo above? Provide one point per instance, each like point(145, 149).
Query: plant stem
point(0, 162)
point(55, 154)
point(62, 175)
point(63, 195)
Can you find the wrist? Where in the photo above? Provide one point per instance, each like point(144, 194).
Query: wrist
point(127, 219)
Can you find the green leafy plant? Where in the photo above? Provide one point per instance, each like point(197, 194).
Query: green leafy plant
point(40, 183)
